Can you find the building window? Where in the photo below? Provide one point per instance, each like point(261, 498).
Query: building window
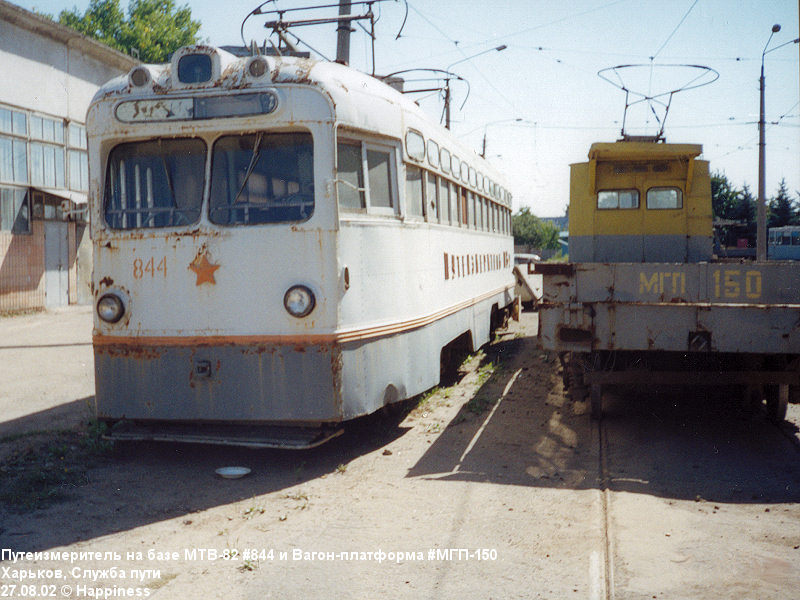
point(78, 171)
point(14, 211)
point(47, 165)
point(77, 158)
point(13, 160)
point(77, 136)
point(13, 121)
point(49, 130)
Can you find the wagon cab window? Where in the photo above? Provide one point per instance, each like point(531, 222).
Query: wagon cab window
point(664, 198)
point(609, 199)
point(156, 183)
point(262, 178)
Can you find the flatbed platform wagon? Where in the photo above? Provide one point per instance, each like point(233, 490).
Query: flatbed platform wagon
point(643, 302)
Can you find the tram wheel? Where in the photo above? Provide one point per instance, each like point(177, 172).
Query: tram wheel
point(777, 402)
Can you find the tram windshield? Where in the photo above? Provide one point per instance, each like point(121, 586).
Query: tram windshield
point(157, 183)
point(262, 178)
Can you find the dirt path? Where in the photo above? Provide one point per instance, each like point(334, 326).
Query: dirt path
point(497, 487)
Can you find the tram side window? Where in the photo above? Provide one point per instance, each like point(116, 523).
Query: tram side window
point(444, 200)
point(463, 218)
point(414, 200)
point(430, 196)
point(664, 198)
point(157, 183)
point(262, 178)
point(375, 192)
point(611, 199)
point(380, 179)
point(350, 178)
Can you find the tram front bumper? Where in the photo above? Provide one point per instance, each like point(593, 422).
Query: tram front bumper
point(225, 382)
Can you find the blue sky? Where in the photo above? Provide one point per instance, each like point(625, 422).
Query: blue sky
point(547, 76)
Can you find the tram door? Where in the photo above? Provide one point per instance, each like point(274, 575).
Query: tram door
point(56, 263)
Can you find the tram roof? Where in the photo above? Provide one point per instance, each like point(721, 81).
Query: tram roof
point(624, 150)
point(358, 99)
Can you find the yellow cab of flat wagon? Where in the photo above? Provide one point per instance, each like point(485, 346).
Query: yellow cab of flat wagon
point(637, 201)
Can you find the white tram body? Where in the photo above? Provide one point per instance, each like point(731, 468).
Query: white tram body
point(226, 192)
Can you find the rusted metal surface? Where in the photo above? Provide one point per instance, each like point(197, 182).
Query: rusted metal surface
point(247, 436)
point(677, 307)
point(217, 383)
point(693, 378)
point(553, 268)
point(206, 337)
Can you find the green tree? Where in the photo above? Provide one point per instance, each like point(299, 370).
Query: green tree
point(154, 28)
point(724, 198)
point(782, 210)
point(530, 230)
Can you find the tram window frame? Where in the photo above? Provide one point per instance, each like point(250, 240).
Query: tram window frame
point(433, 154)
point(678, 198)
point(368, 171)
point(182, 212)
point(415, 145)
point(604, 199)
point(463, 206)
point(444, 201)
point(374, 175)
point(455, 167)
point(415, 193)
point(444, 160)
point(473, 217)
point(431, 197)
point(354, 190)
point(273, 179)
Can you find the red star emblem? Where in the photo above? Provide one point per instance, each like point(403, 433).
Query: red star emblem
point(204, 269)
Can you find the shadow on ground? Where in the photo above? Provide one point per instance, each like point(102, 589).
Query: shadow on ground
point(670, 444)
point(138, 483)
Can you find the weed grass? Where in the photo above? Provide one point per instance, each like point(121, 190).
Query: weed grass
point(48, 465)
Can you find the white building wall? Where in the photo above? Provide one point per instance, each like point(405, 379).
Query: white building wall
point(51, 72)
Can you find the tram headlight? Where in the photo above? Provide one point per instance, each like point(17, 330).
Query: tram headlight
point(139, 76)
point(110, 308)
point(299, 301)
point(257, 66)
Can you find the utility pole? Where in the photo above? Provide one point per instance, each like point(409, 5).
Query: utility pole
point(343, 34)
point(447, 103)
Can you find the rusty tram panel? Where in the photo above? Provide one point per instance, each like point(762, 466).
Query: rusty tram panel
point(264, 267)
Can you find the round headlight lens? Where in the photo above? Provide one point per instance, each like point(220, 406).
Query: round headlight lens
point(257, 67)
point(110, 308)
point(299, 301)
point(139, 76)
